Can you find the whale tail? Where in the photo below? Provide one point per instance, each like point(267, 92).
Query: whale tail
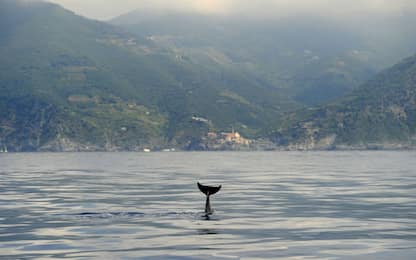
point(208, 190)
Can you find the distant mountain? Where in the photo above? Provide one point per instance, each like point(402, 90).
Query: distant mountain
point(69, 83)
point(380, 114)
point(313, 60)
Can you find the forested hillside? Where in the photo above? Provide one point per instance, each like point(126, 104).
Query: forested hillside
point(72, 83)
point(312, 60)
point(184, 81)
point(381, 114)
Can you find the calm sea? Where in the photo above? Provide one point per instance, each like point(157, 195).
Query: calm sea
point(273, 205)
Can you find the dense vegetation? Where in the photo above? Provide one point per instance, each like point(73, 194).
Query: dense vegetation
point(68, 83)
point(312, 60)
point(109, 89)
point(380, 114)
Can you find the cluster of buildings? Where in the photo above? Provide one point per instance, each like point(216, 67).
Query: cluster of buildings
point(228, 138)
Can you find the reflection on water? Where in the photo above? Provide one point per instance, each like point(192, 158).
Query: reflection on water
point(316, 205)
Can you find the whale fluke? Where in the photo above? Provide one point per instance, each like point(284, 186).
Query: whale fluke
point(208, 191)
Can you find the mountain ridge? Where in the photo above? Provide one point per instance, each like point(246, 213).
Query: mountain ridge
point(313, 60)
point(381, 114)
point(111, 90)
point(68, 83)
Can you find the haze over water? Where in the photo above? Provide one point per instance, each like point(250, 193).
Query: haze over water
point(287, 205)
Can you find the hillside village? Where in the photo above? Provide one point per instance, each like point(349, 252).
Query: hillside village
point(229, 138)
point(226, 141)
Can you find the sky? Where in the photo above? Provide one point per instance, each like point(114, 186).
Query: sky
point(107, 9)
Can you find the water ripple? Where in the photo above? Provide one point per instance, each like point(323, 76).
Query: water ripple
point(320, 205)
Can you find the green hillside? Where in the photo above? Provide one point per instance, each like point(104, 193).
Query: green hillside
point(313, 60)
point(380, 114)
point(69, 83)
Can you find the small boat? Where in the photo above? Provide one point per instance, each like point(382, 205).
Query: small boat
point(146, 150)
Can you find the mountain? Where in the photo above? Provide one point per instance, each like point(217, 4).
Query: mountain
point(313, 60)
point(70, 83)
point(380, 114)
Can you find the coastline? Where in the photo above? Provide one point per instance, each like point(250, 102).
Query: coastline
point(227, 148)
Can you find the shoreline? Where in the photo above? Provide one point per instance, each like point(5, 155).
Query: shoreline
point(224, 151)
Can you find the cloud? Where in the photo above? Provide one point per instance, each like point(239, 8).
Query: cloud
point(105, 9)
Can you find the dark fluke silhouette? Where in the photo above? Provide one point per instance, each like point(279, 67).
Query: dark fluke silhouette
point(208, 191)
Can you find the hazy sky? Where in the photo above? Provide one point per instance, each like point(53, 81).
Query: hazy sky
point(106, 9)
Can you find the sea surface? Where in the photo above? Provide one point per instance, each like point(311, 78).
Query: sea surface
point(272, 205)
